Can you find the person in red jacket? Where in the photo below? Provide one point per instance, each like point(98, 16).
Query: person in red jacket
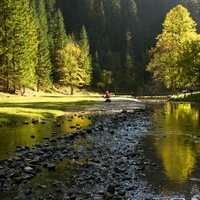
point(107, 94)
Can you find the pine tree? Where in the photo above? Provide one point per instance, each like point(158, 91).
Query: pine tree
point(18, 44)
point(97, 29)
point(130, 73)
point(85, 49)
point(50, 9)
point(44, 66)
point(96, 71)
point(60, 41)
point(113, 16)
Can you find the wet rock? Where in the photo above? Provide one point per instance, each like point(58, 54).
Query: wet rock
point(28, 190)
point(52, 140)
point(34, 121)
point(51, 166)
point(27, 176)
point(2, 173)
point(15, 173)
point(38, 185)
point(89, 130)
point(121, 192)
point(96, 165)
point(71, 137)
point(58, 124)
point(28, 169)
point(18, 179)
point(111, 188)
point(43, 122)
point(73, 196)
point(107, 196)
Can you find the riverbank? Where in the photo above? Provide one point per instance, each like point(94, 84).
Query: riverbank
point(16, 109)
point(186, 97)
point(103, 161)
point(118, 156)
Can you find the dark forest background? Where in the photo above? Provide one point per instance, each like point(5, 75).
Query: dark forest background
point(108, 22)
point(86, 44)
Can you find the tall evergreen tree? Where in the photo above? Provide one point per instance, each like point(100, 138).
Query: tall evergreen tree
point(50, 8)
point(44, 66)
point(130, 73)
point(96, 71)
point(97, 29)
point(129, 15)
point(85, 48)
point(60, 41)
point(18, 44)
point(113, 26)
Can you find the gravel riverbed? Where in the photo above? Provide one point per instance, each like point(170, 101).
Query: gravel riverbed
point(103, 161)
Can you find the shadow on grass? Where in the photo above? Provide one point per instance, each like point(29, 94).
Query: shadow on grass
point(40, 110)
point(49, 105)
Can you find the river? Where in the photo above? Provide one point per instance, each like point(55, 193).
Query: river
point(165, 140)
point(174, 144)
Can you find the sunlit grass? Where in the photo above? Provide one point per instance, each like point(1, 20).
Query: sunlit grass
point(188, 97)
point(15, 109)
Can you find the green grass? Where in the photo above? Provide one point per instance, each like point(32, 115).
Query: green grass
point(15, 109)
point(194, 97)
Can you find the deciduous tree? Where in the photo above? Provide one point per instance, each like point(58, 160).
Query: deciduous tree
point(178, 28)
point(72, 71)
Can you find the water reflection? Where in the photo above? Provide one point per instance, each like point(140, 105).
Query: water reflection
point(30, 134)
point(177, 139)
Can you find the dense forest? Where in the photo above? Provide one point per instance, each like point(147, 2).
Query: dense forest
point(93, 44)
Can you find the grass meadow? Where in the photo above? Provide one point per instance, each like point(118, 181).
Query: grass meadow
point(15, 109)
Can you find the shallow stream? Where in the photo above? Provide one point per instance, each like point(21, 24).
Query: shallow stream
point(148, 155)
point(173, 143)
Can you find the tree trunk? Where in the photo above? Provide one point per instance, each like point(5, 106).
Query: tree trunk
point(72, 90)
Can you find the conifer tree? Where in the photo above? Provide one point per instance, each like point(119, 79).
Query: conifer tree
point(113, 16)
point(44, 66)
point(98, 26)
point(51, 12)
point(96, 71)
point(60, 42)
point(130, 73)
point(85, 49)
point(18, 48)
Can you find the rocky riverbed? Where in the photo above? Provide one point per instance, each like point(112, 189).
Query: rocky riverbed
point(103, 161)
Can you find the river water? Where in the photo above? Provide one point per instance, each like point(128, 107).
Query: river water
point(171, 143)
point(39, 132)
point(174, 144)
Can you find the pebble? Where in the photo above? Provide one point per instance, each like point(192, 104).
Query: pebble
point(110, 170)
